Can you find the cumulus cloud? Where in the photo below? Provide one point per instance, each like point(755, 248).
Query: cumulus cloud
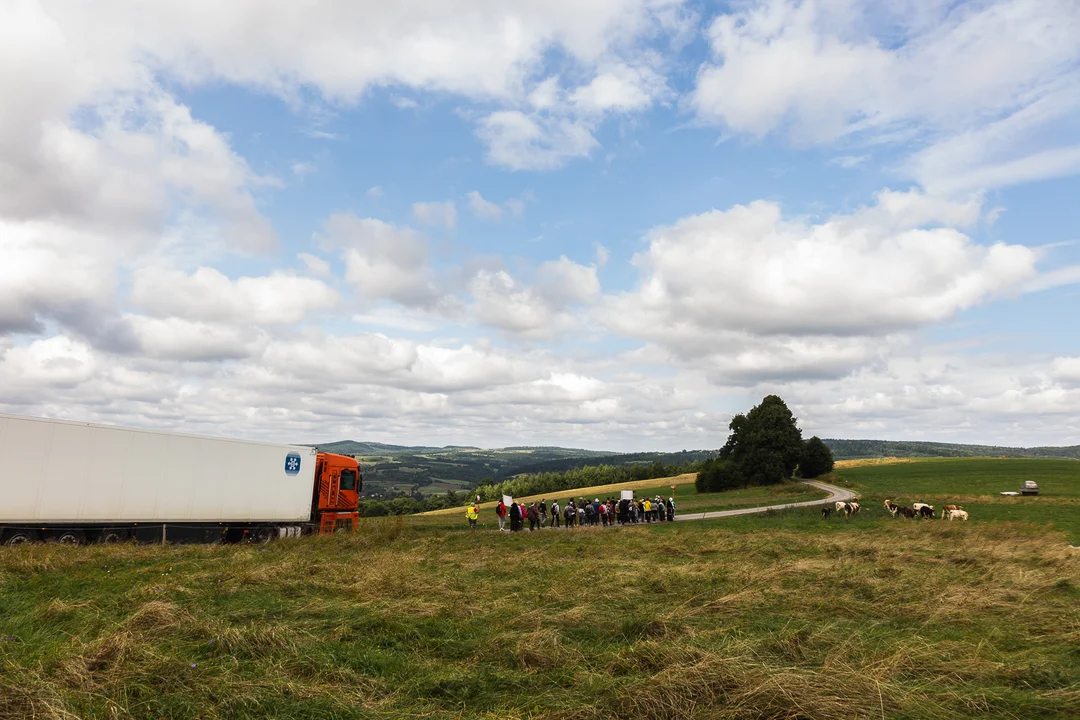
point(382, 260)
point(51, 272)
point(560, 124)
point(886, 268)
point(620, 88)
point(173, 338)
point(538, 311)
point(207, 294)
point(534, 142)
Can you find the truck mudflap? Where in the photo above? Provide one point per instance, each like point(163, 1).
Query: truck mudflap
point(332, 522)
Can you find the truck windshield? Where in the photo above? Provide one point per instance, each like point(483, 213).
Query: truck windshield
point(348, 480)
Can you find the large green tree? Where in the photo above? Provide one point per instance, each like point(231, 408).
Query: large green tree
point(765, 444)
point(817, 460)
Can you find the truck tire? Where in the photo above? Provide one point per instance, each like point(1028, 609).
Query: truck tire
point(70, 537)
point(261, 536)
point(20, 537)
point(110, 536)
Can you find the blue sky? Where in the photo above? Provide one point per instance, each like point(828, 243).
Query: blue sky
point(608, 224)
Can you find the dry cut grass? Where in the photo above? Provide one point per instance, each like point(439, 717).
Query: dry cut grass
point(896, 620)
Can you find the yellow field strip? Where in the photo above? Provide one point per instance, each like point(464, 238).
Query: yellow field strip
point(596, 491)
point(863, 462)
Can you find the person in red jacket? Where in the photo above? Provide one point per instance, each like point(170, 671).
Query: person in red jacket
point(500, 510)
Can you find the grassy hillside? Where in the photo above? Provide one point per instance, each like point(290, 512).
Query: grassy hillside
point(776, 616)
point(672, 621)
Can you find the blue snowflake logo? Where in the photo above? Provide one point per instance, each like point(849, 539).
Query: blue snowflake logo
point(292, 464)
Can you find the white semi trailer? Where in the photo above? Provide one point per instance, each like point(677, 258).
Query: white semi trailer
point(77, 482)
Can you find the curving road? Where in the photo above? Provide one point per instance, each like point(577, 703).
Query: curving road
point(836, 494)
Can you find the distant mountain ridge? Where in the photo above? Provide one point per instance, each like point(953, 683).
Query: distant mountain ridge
point(421, 469)
point(855, 449)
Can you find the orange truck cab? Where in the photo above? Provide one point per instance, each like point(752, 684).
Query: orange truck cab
point(338, 485)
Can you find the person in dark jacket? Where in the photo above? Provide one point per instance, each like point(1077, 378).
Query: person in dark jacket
point(542, 508)
point(515, 517)
point(534, 517)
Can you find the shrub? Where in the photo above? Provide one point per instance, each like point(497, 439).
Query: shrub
point(718, 475)
point(817, 459)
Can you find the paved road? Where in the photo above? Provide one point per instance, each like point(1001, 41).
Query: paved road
point(836, 494)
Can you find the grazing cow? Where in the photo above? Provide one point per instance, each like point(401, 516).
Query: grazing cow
point(841, 507)
point(926, 511)
point(908, 512)
point(918, 508)
point(826, 512)
point(956, 514)
point(854, 507)
point(892, 507)
point(948, 509)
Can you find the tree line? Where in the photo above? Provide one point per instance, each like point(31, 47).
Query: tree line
point(529, 484)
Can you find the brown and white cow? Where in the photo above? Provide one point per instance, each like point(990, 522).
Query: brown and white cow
point(949, 508)
point(956, 514)
point(892, 507)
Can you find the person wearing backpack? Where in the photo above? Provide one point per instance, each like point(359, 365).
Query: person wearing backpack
point(555, 514)
point(542, 508)
point(472, 515)
point(500, 510)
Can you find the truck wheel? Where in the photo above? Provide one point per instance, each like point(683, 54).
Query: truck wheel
point(18, 537)
point(263, 535)
point(71, 537)
point(110, 537)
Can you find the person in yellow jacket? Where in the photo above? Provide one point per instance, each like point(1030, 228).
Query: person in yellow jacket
point(647, 507)
point(472, 514)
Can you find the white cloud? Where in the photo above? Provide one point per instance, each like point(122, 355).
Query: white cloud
point(207, 294)
point(443, 214)
point(484, 209)
point(849, 161)
point(404, 103)
point(619, 88)
point(537, 312)
point(890, 267)
point(502, 302)
point(303, 169)
point(315, 265)
point(522, 142)
point(516, 206)
point(50, 272)
point(374, 192)
point(563, 282)
point(383, 260)
point(959, 79)
point(174, 338)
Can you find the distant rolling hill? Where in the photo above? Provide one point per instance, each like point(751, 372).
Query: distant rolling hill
point(393, 469)
point(853, 449)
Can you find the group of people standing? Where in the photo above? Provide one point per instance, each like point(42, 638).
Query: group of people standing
point(579, 512)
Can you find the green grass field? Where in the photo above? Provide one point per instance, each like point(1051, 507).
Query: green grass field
point(776, 616)
point(976, 484)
